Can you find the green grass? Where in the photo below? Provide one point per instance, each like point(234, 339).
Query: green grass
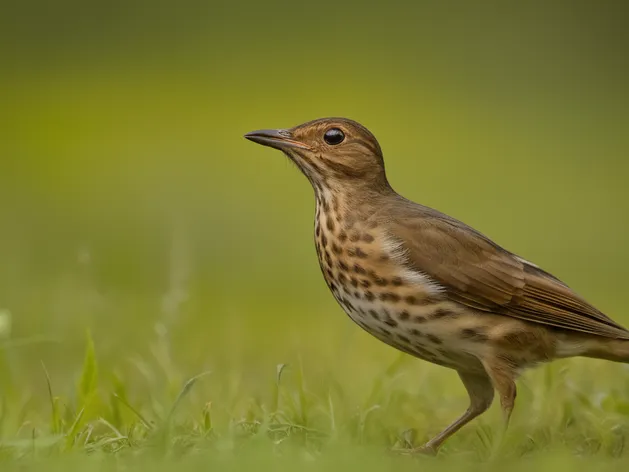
point(568, 414)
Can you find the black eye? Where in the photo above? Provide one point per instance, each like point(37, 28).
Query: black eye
point(334, 136)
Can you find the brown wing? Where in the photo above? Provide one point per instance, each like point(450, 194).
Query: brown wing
point(480, 274)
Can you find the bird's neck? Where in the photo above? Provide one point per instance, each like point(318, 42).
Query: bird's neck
point(349, 201)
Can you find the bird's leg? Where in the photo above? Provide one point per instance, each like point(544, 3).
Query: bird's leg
point(481, 392)
point(502, 378)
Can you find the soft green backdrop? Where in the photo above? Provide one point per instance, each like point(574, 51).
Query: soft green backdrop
point(131, 206)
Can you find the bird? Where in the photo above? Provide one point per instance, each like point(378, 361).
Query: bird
point(428, 284)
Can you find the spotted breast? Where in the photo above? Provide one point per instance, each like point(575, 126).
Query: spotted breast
point(367, 273)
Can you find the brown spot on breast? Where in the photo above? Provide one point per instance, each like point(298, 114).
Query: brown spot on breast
point(445, 354)
point(419, 319)
point(342, 278)
point(385, 331)
point(374, 314)
point(422, 351)
point(333, 287)
point(473, 335)
point(397, 281)
point(369, 296)
point(357, 294)
point(328, 259)
point(360, 253)
point(390, 322)
point(404, 315)
point(442, 313)
point(434, 339)
point(403, 338)
point(416, 332)
point(368, 238)
point(390, 296)
point(326, 205)
point(354, 236)
point(359, 269)
point(317, 230)
point(329, 223)
point(379, 280)
point(324, 240)
point(336, 249)
point(423, 301)
point(384, 257)
point(330, 273)
point(354, 281)
point(348, 305)
point(371, 224)
point(365, 283)
point(343, 266)
point(342, 236)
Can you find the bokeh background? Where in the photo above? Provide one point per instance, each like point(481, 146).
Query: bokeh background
point(131, 207)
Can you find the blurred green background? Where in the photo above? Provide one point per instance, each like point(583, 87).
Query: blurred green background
point(131, 206)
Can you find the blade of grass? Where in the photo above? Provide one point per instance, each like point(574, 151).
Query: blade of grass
point(184, 391)
point(55, 417)
point(89, 375)
point(143, 420)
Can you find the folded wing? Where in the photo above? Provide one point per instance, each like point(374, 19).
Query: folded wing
point(480, 274)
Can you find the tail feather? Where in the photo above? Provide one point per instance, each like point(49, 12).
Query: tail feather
point(597, 347)
point(616, 350)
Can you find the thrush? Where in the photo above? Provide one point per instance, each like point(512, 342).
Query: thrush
point(428, 284)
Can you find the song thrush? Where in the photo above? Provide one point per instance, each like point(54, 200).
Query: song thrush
point(429, 285)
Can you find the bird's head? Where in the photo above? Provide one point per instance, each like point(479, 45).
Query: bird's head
point(329, 151)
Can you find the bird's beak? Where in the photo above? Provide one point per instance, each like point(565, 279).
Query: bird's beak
point(276, 138)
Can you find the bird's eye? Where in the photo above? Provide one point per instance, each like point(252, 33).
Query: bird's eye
point(334, 136)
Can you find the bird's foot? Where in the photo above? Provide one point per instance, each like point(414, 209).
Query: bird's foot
point(405, 442)
point(426, 449)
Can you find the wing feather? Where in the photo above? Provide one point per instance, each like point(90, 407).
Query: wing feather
point(480, 274)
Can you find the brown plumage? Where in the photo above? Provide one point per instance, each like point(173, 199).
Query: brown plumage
point(429, 285)
point(482, 275)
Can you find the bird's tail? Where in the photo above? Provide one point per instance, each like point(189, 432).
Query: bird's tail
point(616, 350)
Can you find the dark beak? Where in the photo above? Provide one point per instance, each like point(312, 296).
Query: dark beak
point(276, 138)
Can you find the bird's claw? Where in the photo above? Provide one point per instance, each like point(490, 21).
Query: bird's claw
point(426, 449)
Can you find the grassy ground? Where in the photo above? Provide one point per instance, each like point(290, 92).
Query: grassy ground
point(321, 411)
